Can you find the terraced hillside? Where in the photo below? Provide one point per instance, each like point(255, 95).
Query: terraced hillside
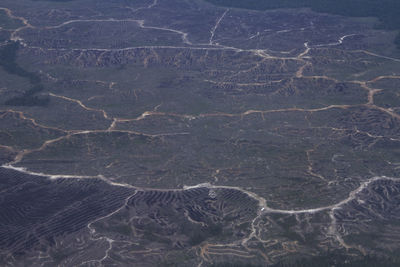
point(179, 133)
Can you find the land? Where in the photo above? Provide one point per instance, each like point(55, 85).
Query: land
point(386, 11)
point(176, 133)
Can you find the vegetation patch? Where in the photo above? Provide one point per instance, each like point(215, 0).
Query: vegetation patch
point(8, 56)
point(386, 10)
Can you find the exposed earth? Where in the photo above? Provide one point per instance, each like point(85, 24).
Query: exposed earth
point(179, 133)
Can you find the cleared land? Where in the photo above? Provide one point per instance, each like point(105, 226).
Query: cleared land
point(179, 133)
